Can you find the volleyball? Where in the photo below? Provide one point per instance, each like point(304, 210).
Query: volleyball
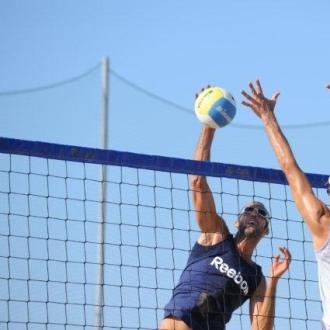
point(215, 107)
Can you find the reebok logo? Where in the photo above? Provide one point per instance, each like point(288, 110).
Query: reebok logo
point(237, 277)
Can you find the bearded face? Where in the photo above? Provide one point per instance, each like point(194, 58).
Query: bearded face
point(252, 222)
point(251, 226)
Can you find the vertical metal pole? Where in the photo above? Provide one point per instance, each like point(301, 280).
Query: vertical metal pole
point(103, 193)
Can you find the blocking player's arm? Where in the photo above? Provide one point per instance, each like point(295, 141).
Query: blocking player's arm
point(207, 218)
point(311, 208)
point(262, 303)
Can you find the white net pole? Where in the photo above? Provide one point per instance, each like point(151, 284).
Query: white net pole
point(103, 192)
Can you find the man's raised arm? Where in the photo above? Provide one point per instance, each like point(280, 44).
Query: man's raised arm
point(212, 226)
point(314, 212)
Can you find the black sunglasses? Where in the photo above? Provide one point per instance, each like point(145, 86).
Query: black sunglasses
point(262, 212)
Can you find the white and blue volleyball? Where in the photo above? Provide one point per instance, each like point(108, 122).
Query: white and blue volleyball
point(215, 107)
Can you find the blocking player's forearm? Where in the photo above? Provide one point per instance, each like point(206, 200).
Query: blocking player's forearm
point(279, 143)
point(297, 180)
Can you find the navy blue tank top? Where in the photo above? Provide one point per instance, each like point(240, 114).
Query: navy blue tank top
point(215, 282)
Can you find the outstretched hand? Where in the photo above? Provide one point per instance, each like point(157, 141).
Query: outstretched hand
point(279, 266)
point(258, 102)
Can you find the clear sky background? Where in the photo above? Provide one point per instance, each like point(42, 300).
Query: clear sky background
point(170, 49)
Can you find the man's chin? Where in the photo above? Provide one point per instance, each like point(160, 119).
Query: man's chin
point(251, 233)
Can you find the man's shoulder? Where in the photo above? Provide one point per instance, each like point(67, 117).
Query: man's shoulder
point(212, 240)
point(203, 248)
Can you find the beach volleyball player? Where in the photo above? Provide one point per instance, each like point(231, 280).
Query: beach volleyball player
point(220, 274)
point(315, 213)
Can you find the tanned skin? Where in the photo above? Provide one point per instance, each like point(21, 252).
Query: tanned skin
point(214, 230)
point(315, 213)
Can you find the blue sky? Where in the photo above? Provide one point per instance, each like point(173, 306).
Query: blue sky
point(171, 49)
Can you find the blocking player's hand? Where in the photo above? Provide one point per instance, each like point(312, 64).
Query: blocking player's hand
point(280, 263)
point(257, 101)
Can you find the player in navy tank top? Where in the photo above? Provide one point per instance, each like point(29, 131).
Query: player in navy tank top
point(220, 275)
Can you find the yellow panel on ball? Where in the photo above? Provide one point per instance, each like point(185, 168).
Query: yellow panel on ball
point(206, 99)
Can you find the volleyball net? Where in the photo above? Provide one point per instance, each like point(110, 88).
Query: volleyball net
point(49, 243)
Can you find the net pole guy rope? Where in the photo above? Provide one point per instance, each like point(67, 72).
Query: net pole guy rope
point(103, 193)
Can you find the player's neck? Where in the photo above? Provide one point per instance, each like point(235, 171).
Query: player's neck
point(246, 247)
